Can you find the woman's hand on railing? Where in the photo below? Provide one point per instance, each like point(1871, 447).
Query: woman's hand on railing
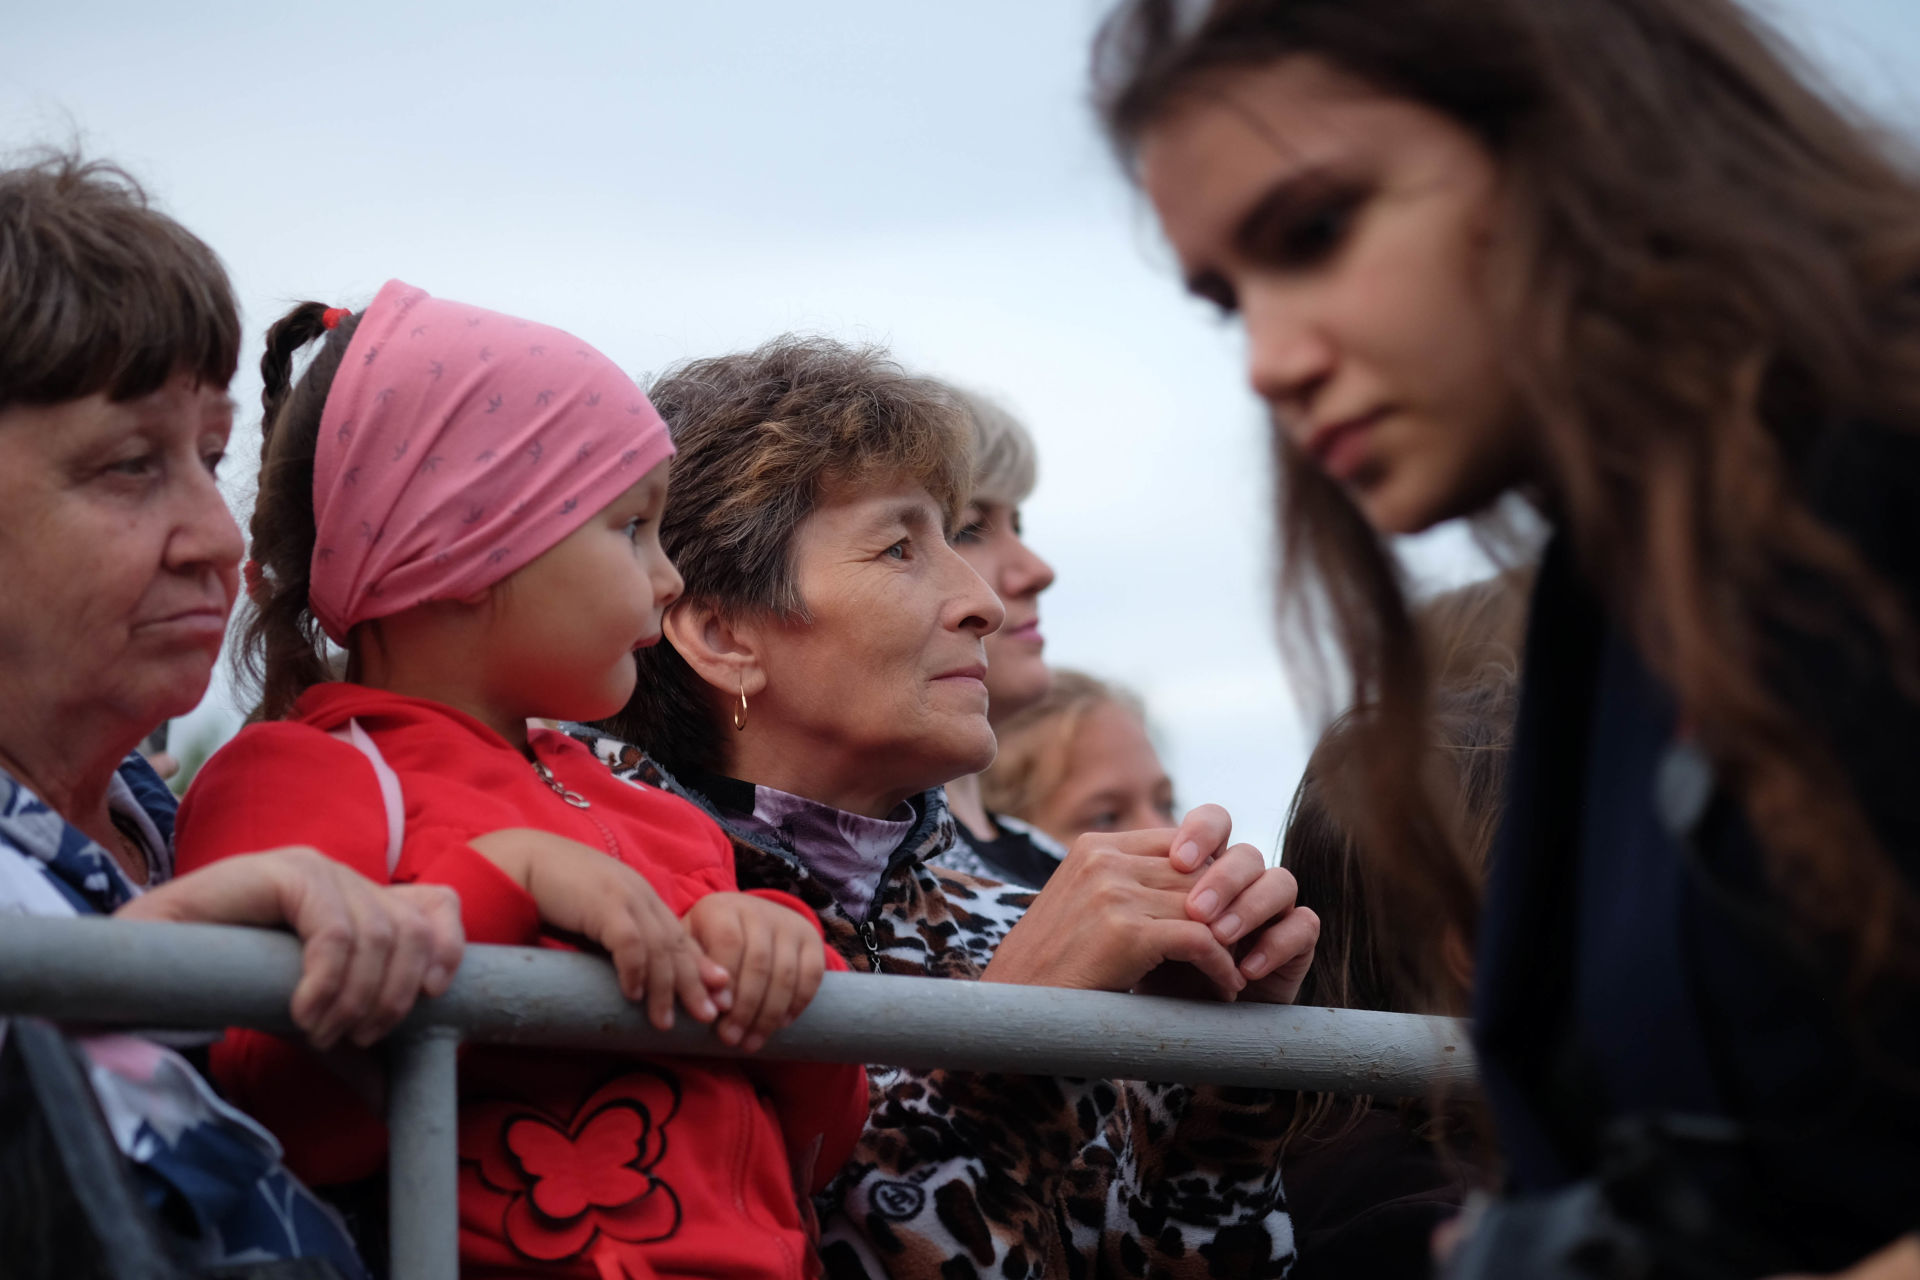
point(368, 951)
point(1250, 907)
point(579, 889)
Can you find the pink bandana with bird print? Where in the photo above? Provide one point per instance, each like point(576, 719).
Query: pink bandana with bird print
point(456, 446)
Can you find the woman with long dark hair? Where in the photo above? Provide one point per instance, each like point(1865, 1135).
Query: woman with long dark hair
point(1621, 258)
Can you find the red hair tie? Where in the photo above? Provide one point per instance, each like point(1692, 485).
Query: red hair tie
point(255, 578)
point(332, 316)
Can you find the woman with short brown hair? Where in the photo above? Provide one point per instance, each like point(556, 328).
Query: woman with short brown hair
point(118, 336)
point(820, 680)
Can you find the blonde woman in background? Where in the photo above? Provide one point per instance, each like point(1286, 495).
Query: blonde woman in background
point(1079, 760)
point(995, 845)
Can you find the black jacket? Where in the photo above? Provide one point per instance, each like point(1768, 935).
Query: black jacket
point(1621, 974)
point(1367, 1193)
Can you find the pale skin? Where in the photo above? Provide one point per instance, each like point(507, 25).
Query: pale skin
point(121, 562)
point(1360, 239)
point(1112, 779)
point(880, 697)
point(892, 665)
point(555, 640)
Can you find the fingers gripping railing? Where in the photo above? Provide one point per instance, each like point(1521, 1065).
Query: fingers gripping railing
point(204, 976)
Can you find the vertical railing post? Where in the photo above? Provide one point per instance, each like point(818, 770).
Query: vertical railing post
point(423, 1164)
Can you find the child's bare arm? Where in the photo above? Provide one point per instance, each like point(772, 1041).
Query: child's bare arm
point(774, 955)
point(579, 889)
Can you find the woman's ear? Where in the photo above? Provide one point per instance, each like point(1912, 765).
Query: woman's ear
point(723, 652)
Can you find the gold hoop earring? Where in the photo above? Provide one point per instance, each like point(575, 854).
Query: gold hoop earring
point(740, 712)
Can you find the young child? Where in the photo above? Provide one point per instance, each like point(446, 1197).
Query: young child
point(468, 504)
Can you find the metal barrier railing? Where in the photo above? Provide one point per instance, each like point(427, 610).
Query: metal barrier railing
point(179, 976)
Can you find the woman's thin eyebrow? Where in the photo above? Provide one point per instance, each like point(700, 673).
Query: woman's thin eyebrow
point(1284, 199)
point(1281, 201)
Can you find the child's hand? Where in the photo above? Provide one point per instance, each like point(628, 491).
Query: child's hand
point(774, 955)
point(579, 889)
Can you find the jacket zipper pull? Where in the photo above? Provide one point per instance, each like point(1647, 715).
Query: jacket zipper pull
point(871, 936)
point(573, 798)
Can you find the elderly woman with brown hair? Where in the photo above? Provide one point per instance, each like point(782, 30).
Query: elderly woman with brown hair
point(118, 336)
point(820, 680)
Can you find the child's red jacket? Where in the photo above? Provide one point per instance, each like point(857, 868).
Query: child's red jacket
point(573, 1164)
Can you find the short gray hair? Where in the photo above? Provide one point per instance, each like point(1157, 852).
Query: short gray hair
point(1005, 462)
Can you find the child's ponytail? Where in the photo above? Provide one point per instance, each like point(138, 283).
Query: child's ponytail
point(283, 651)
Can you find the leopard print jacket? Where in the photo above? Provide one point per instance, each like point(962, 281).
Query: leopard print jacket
point(963, 1174)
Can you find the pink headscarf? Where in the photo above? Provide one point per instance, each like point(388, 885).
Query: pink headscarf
point(458, 445)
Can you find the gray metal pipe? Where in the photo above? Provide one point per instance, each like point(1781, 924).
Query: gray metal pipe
point(423, 1162)
point(171, 975)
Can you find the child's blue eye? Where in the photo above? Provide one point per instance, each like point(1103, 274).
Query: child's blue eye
point(634, 526)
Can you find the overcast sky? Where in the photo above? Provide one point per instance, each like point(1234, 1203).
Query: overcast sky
point(677, 180)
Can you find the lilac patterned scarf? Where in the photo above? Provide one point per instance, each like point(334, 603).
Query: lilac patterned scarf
point(844, 851)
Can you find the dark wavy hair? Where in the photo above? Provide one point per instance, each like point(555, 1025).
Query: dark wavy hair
point(1717, 268)
point(101, 292)
point(283, 650)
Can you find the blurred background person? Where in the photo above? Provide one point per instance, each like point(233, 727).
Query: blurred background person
point(1080, 759)
point(1625, 262)
point(990, 538)
point(1369, 1180)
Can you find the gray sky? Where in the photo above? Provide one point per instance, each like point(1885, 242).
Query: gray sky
point(675, 180)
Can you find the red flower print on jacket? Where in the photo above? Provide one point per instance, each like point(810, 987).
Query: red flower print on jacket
point(574, 1181)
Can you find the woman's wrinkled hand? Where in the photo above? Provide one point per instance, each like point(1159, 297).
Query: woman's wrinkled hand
point(1114, 911)
point(773, 954)
point(368, 951)
point(1250, 907)
point(579, 889)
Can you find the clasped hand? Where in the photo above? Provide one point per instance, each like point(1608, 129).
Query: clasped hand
point(1165, 911)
